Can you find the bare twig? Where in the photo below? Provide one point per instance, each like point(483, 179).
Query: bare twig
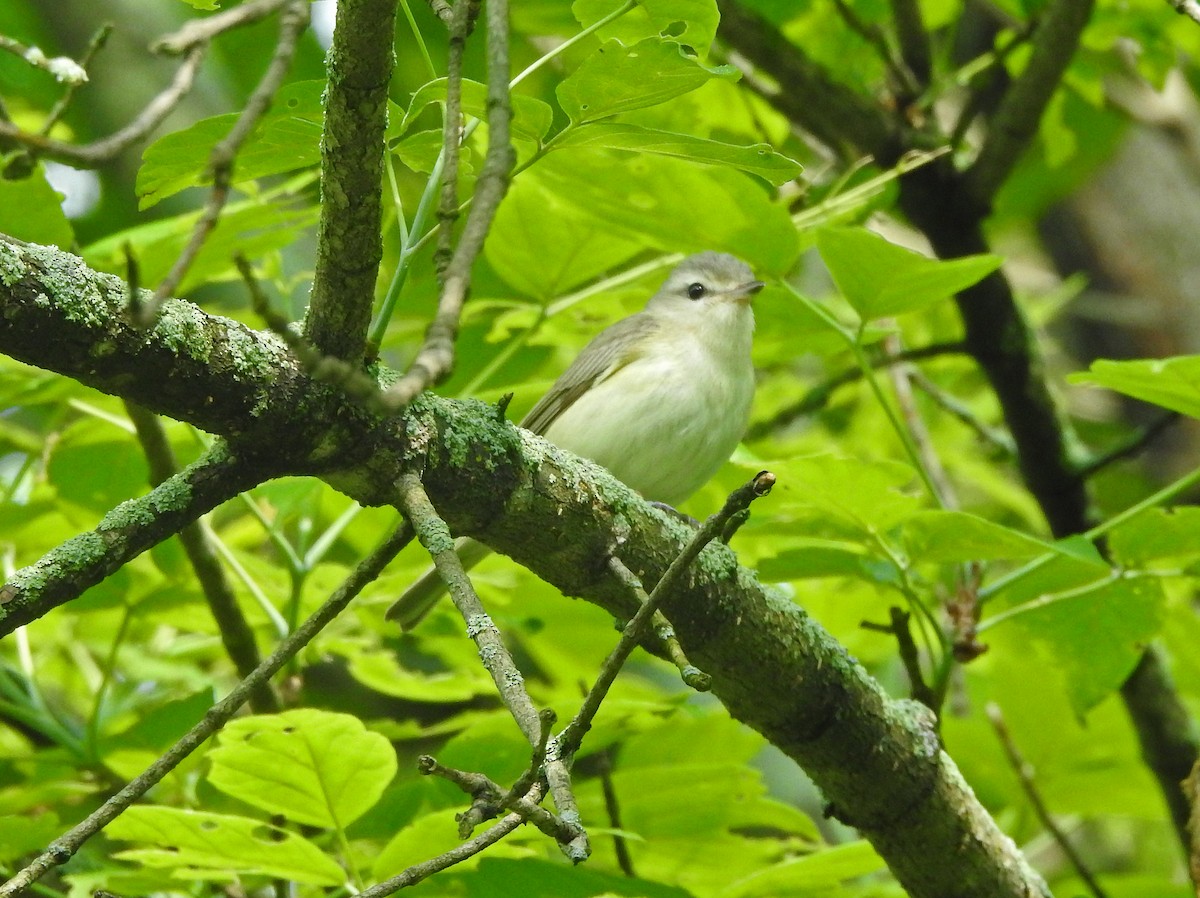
point(568, 741)
point(488, 796)
point(236, 633)
point(63, 848)
point(901, 378)
point(909, 655)
point(63, 68)
point(292, 22)
point(1131, 445)
point(200, 31)
point(434, 535)
point(991, 436)
point(818, 396)
point(60, 106)
point(874, 35)
point(95, 154)
point(467, 850)
point(1025, 774)
point(613, 806)
point(452, 134)
point(357, 384)
point(435, 358)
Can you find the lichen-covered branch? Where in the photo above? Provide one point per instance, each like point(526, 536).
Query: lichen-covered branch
point(131, 528)
point(349, 241)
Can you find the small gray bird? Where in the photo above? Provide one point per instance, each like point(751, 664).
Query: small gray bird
point(660, 398)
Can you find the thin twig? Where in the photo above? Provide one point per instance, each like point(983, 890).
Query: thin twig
point(63, 848)
point(1130, 446)
point(292, 22)
point(356, 383)
point(874, 35)
point(901, 378)
point(435, 358)
point(1025, 774)
point(991, 436)
point(465, 851)
point(613, 807)
point(94, 46)
point(452, 134)
point(435, 536)
point(818, 396)
point(909, 655)
point(568, 741)
point(63, 68)
point(200, 31)
point(95, 154)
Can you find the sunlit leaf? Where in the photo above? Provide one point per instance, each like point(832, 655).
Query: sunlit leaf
point(216, 844)
point(1173, 383)
point(311, 766)
point(880, 279)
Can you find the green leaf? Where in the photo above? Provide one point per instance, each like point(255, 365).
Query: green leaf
point(537, 878)
point(950, 536)
point(1173, 383)
point(531, 117)
point(1096, 633)
point(286, 139)
point(311, 766)
point(1156, 534)
point(880, 279)
point(758, 159)
point(814, 562)
point(822, 872)
point(692, 23)
point(618, 79)
point(194, 843)
point(253, 228)
point(673, 205)
point(543, 262)
point(31, 210)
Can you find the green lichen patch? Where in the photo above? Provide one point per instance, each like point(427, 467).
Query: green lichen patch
point(12, 267)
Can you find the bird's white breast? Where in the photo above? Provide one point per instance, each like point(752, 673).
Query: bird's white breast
point(665, 422)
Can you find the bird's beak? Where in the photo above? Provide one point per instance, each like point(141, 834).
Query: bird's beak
point(744, 293)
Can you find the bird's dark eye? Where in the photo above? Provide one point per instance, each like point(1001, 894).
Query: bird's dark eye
point(696, 291)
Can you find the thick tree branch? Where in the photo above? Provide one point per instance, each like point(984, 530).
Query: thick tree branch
point(349, 241)
point(1020, 112)
point(807, 94)
point(877, 761)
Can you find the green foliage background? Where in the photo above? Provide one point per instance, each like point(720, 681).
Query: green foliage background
point(634, 144)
